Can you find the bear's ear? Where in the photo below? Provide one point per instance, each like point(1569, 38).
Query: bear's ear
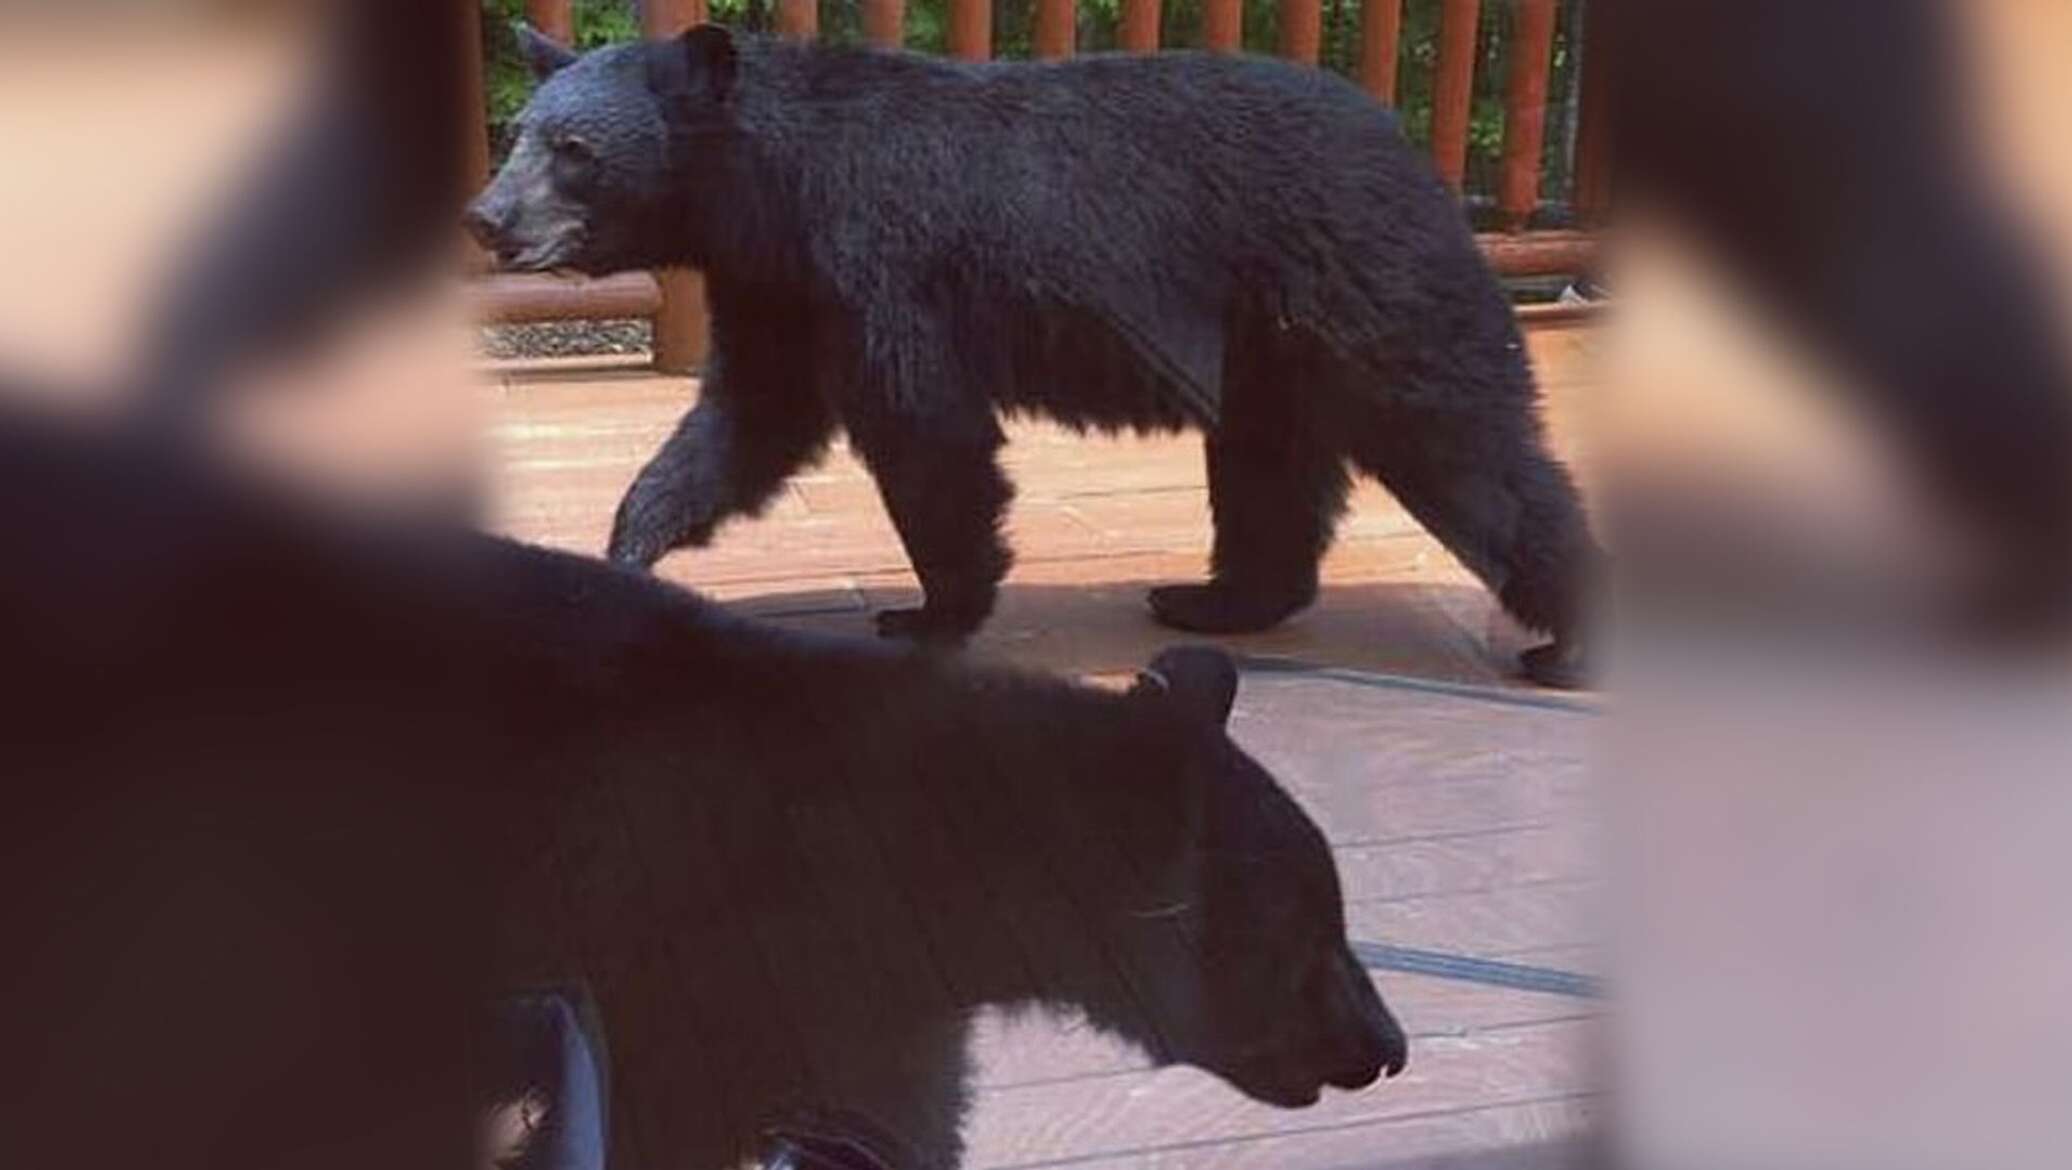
point(544, 54)
point(709, 51)
point(1201, 679)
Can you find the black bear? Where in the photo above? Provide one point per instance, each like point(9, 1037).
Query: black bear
point(297, 792)
point(905, 247)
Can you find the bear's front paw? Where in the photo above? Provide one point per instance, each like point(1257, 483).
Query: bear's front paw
point(922, 625)
point(1558, 665)
point(1221, 609)
point(640, 542)
point(631, 550)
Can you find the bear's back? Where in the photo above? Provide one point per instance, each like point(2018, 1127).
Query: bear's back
point(1229, 136)
point(1105, 211)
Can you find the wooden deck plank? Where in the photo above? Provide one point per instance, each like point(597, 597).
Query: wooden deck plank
point(1138, 1111)
point(1435, 808)
point(1488, 924)
point(1020, 1048)
point(1466, 863)
point(1543, 1134)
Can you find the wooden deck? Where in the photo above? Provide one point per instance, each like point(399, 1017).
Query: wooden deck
point(1456, 799)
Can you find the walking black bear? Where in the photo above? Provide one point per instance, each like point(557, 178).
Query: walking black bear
point(905, 247)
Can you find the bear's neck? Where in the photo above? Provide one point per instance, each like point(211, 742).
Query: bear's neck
point(746, 190)
point(737, 219)
point(1081, 842)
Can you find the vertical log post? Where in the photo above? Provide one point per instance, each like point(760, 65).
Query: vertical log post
point(1056, 28)
point(1139, 31)
point(1381, 36)
point(680, 322)
point(554, 19)
point(474, 127)
point(884, 23)
point(1222, 25)
point(1525, 110)
point(971, 29)
point(1593, 167)
point(798, 19)
point(1302, 30)
point(1453, 89)
point(473, 131)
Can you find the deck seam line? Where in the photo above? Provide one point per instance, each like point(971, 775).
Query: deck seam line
point(1469, 969)
point(1274, 664)
point(1444, 835)
point(1471, 891)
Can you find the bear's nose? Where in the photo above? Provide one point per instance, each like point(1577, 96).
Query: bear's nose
point(484, 224)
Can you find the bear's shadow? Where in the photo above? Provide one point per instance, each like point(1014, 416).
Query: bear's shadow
point(1430, 630)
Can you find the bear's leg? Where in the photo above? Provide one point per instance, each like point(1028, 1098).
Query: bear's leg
point(1484, 484)
point(946, 495)
point(1276, 490)
point(754, 425)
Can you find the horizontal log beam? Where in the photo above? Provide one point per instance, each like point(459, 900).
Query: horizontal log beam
point(1550, 314)
point(1539, 253)
point(504, 298)
point(516, 297)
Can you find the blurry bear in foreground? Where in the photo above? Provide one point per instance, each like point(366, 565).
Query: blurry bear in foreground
point(302, 794)
point(297, 794)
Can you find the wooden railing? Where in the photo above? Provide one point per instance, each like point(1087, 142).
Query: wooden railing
point(674, 300)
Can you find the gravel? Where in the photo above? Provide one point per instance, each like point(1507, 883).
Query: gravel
point(567, 339)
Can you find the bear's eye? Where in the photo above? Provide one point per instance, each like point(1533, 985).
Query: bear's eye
point(573, 149)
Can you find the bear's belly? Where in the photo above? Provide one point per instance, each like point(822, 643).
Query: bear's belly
point(1070, 366)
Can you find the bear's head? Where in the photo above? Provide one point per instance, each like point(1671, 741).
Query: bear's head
point(604, 157)
point(1275, 1002)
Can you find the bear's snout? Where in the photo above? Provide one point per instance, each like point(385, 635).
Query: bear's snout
point(490, 224)
point(1367, 1038)
point(1368, 1052)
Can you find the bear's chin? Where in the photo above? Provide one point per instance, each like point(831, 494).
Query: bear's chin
point(1271, 1086)
point(564, 255)
point(1285, 1096)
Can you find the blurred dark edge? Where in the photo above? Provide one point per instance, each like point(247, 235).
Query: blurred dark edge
point(358, 197)
point(1821, 151)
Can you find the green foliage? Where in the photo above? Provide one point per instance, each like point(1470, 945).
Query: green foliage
point(600, 22)
point(507, 77)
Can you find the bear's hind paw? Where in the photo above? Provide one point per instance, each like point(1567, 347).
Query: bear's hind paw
point(1220, 609)
point(1557, 665)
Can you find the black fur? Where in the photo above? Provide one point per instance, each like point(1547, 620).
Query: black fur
point(906, 247)
point(328, 759)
